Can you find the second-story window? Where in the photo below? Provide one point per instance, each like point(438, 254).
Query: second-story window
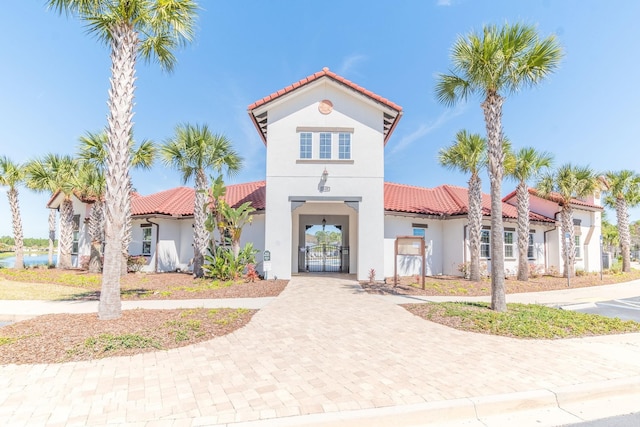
point(344, 146)
point(305, 145)
point(325, 145)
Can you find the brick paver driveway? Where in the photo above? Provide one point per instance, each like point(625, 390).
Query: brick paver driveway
point(322, 346)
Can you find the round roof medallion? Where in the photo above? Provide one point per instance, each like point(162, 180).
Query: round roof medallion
point(325, 106)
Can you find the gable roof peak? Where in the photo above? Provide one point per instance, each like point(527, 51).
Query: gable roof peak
point(258, 115)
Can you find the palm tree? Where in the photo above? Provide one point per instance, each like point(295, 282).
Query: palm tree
point(235, 219)
point(12, 175)
point(193, 150)
point(92, 188)
point(468, 154)
point(496, 62)
point(52, 234)
point(568, 182)
point(623, 192)
point(151, 29)
point(58, 174)
point(527, 163)
point(93, 150)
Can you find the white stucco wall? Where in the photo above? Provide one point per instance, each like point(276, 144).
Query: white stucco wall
point(395, 226)
point(361, 179)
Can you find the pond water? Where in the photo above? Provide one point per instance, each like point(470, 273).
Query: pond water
point(29, 260)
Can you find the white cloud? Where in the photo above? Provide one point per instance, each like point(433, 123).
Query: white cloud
point(350, 62)
point(426, 128)
point(443, 2)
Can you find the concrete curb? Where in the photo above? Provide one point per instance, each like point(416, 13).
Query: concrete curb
point(581, 306)
point(466, 410)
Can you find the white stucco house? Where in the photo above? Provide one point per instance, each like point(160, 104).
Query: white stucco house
point(325, 139)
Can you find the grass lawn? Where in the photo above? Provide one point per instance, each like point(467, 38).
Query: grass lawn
point(11, 290)
point(521, 320)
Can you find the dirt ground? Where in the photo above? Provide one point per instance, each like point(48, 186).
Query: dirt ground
point(71, 337)
point(458, 286)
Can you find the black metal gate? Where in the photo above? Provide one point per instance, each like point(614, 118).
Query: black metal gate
point(324, 259)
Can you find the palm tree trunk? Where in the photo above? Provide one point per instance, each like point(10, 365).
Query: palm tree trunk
point(66, 233)
point(12, 194)
point(126, 240)
point(492, 108)
point(123, 60)
point(622, 214)
point(96, 227)
point(200, 235)
point(568, 245)
point(522, 194)
point(475, 225)
point(52, 234)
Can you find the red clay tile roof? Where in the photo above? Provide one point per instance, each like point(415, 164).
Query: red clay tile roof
point(178, 202)
point(554, 197)
point(315, 76)
point(445, 200)
point(260, 123)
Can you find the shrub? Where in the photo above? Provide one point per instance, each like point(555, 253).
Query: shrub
point(465, 268)
point(136, 262)
point(222, 264)
point(372, 276)
point(84, 262)
point(535, 270)
point(252, 274)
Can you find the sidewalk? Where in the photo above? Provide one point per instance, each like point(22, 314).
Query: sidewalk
point(324, 353)
point(16, 310)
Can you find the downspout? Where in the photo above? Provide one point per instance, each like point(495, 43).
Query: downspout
point(155, 266)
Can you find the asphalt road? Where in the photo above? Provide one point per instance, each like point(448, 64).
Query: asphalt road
point(625, 309)
point(629, 420)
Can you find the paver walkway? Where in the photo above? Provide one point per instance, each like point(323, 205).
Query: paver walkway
point(322, 346)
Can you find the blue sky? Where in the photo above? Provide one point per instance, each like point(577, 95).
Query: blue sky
point(54, 81)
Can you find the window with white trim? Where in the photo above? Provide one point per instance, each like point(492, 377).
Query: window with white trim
point(344, 146)
point(325, 145)
point(485, 243)
point(578, 247)
point(531, 254)
point(306, 145)
point(146, 240)
point(76, 234)
point(508, 244)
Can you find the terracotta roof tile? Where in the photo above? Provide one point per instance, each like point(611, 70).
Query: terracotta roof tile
point(325, 72)
point(445, 200)
point(554, 197)
point(179, 201)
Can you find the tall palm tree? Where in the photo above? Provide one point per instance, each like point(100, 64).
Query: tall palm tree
point(469, 154)
point(151, 29)
point(491, 64)
point(12, 175)
point(57, 174)
point(193, 150)
point(527, 164)
point(623, 192)
point(568, 182)
point(93, 150)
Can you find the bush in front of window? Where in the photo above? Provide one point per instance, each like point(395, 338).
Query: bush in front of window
point(135, 263)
